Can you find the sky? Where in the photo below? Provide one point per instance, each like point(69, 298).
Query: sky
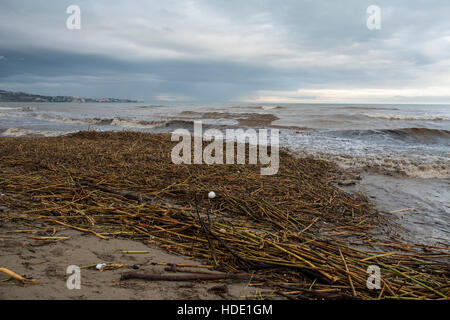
point(227, 51)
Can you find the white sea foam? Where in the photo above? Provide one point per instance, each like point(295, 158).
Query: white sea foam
point(391, 164)
point(29, 108)
point(18, 132)
point(270, 107)
point(136, 124)
point(47, 117)
point(5, 114)
point(426, 161)
point(406, 117)
point(120, 122)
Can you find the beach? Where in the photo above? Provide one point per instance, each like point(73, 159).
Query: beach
point(403, 150)
point(84, 198)
point(48, 260)
point(179, 151)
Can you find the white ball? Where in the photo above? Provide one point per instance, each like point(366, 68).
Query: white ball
point(211, 195)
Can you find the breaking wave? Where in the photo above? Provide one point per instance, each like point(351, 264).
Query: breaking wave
point(406, 117)
point(421, 135)
point(120, 122)
point(389, 163)
point(136, 124)
point(18, 132)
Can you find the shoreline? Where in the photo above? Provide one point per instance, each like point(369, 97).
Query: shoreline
point(419, 205)
point(372, 180)
point(63, 163)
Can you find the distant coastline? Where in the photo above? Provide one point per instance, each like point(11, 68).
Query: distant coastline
point(9, 96)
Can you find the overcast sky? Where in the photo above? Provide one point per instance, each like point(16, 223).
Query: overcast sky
point(229, 51)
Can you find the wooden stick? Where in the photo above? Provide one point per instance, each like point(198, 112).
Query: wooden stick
point(378, 256)
point(348, 272)
point(78, 228)
point(134, 252)
point(310, 225)
point(178, 265)
point(182, 277)
point(14, 275)
point(211, 247)
point(401, 210)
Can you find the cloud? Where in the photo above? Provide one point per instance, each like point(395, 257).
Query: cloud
point(218, 51)
point(354, 95)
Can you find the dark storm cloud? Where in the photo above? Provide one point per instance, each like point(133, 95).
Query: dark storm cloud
point(153, 76)
point(218, 51)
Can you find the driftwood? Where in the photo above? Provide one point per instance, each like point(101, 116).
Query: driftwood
point(331, 295)
point(211, 247)
point(185, 277)
point(126, 194)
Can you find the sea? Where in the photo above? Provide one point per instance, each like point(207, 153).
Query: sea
point(403, 150)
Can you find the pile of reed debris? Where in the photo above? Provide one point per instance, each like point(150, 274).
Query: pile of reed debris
point(295, 232)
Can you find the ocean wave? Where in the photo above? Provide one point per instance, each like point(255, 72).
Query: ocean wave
point(128, 123)
point(7, 114)
point(29, 109)
point(153, 106)
point(406, 117)
point(389, 163)
point(52, 118)
point(259, 107)
point(366, 108)
point(425, 135)
point(271, 107)
point(421, 135)
point(185, 124)
point(23, 109)
point(120, 122)
point(378, 150)
point(137, 124)
point(18, 132)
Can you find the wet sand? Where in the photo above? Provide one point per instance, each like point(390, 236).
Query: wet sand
point(421, 206)
point(47, 262)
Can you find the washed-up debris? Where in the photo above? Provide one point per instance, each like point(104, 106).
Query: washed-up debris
point(106, 266)
point(100, 266)
point(14, 275)
point(294, 232)
point(184, 277)
point(134, 252)
point(211, 195)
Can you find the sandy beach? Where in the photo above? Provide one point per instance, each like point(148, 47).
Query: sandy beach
point(47, 261)
point(85, 198)
point(203, 158)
